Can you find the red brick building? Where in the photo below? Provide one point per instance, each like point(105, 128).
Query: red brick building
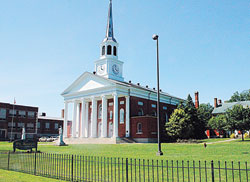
point(14, 117)
point(27, 117)
point(48, 126)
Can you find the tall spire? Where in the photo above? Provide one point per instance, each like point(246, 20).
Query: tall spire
point(109, 31)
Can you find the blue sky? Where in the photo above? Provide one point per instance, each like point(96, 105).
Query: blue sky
point(45, 45)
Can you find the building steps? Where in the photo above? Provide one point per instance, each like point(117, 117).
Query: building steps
point(90, 140)
point(97, 140)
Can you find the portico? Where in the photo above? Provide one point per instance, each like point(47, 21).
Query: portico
point(90, 116)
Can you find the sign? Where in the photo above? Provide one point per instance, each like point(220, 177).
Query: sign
point(27, 144)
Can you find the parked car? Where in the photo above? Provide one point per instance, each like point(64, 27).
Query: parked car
point(43, 139)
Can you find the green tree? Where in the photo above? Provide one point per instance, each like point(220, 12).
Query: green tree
point(205, 113)
point(218, 122)
point(243, 96)
point(184, 122)
point(179, 125)
point(198, 125)
point(238, 119)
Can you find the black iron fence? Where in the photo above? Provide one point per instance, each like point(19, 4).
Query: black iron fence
point(92, 168)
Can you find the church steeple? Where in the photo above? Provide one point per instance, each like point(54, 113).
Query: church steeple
point(110, 31)
point(108, 65)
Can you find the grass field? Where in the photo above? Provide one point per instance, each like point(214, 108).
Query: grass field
point(225, 151)
point(11, 176)
point(217, 150)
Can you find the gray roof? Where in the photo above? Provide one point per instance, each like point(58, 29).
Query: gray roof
point(137, 86)
point(229, 105)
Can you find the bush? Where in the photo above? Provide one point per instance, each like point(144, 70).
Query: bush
point(246, 135)
point(232, 135)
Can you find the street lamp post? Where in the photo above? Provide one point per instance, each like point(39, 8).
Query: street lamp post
point(155, 37)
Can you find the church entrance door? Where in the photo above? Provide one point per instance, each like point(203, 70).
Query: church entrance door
point(110, 129)
point(99, 129)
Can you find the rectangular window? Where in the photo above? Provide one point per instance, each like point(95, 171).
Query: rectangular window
point(111, 104)
point(140, 103)
point(22, 114)
point(10, 124)
point(12, 113)
point(111, 115)
point(30, 125)
point(121, 102)
point(38, 124)
point(153, 105)
point(2, 113)
point(164, 107)
point(139, 128)
point(47, 125)
point(20, 125)
point(56, 125)
point(31, 114)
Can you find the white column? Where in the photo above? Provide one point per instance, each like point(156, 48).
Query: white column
point(83, 119)
point(115, 118)
point(127, 117)
point(87, 120)
point(94, 118)
point(104, 116)
point(78, 120)
point(65, 123)
point(73, 133)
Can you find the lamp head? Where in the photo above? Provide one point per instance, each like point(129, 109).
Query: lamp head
point(155, 37)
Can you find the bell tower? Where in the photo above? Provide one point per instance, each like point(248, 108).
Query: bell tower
point(108, 65)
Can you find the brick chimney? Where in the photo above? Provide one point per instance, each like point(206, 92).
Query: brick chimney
point(215, 103)
point(219, 102)
point(62, 113)
point(196, 99)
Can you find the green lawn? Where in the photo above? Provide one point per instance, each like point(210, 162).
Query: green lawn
point(11, 176)
point(226, 151)
point(51, 165)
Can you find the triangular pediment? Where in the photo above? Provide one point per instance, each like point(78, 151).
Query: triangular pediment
point(86, 82)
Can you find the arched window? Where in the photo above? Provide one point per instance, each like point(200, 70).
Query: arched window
point(109, 49)
point(103, 50)
point(166, 117)
point(139, 128)
point(154, 113)
point(114, 51)
point(121, 116)
point(140, 112)
point(100, 111)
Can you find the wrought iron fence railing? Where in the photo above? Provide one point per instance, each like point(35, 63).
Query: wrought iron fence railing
point(93, 168)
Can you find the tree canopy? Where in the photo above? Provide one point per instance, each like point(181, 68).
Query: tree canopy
point(243, 96)
point(238, 118)
point(184, 122)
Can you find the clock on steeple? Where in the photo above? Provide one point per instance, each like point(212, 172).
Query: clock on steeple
point(108, 65)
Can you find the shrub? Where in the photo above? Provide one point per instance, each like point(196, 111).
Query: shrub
point(232, 135)
point(246, 135)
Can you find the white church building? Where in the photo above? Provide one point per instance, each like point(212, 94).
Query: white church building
point(107, 109)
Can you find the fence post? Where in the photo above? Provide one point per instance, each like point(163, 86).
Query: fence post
point(72, 168)
point(212, 170)
point(9, 160)
point(35, 165)
point(126, 169)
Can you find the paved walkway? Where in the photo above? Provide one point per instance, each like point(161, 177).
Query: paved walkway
point(229, 140)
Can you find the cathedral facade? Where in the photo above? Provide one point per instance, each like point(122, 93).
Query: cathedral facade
point(107, 107)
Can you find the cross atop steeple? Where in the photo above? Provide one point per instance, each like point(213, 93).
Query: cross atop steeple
point(109, 31)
